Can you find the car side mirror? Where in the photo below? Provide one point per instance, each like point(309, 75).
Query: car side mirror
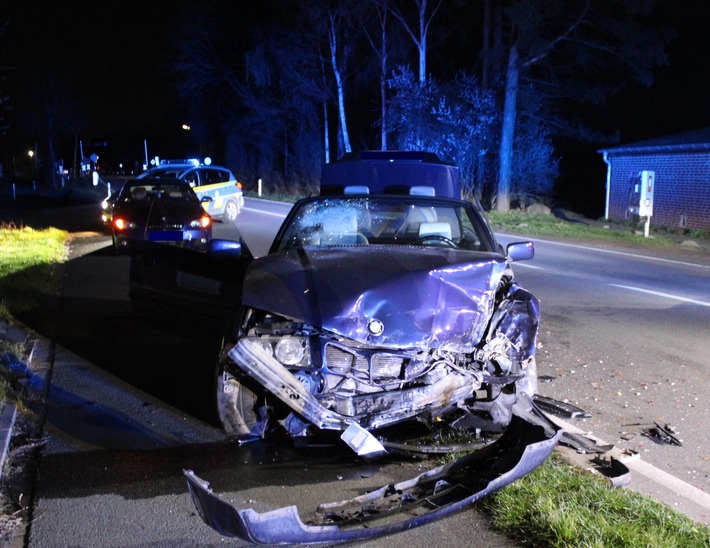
point(206, 199)
point(520, 251)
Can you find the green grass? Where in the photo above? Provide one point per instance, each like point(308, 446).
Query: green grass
point(559, 505)
point(517, 222)
point(30, 266)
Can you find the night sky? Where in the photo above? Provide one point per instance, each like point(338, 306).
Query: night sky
point(115, 53)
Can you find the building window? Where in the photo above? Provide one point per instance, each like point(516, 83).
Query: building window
point(683, 221)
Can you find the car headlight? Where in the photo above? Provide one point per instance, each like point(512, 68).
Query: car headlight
point(290, 350)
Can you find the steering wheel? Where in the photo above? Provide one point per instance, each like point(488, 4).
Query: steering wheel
point(438, 238)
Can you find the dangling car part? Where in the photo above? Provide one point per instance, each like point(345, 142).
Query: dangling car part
point(433, 495)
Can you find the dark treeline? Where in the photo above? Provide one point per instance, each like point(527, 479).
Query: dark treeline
point(281, 87)
point(275, 88)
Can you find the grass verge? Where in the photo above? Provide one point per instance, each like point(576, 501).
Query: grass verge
point(578, 228)
point(30, 266)
point(560, 505)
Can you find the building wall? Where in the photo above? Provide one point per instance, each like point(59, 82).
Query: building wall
point(682, 192)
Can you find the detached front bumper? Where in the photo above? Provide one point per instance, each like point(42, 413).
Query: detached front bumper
point(528, 441)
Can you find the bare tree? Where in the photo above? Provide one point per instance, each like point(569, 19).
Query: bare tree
point(379, 46)
point(49, 110)
point(581, 49)
point(420, 32)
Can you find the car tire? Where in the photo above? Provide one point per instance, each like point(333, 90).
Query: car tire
point(237, 407)
point(231, 211)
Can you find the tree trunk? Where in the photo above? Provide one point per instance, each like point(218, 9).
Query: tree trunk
point(507, 132)
point(339, 86)
point(422, 43)
point(383, 82)
point(326, 133)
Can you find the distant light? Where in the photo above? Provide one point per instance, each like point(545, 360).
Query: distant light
point(208, 161)
point(186, 127)
point(30, 153)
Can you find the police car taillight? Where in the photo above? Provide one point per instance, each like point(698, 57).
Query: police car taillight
point(239, 185)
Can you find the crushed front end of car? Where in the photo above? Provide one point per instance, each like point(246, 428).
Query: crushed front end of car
point(334, 344)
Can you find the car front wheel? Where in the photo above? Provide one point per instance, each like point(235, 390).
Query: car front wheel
point(238, 407)
point(231, 211)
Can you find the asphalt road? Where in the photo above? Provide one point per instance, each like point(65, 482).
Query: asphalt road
point(623, 336)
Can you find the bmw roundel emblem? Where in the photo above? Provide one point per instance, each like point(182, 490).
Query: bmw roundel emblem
point(376, 327)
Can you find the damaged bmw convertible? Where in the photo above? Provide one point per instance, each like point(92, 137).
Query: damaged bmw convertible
point(384, 300)
point(372, 310)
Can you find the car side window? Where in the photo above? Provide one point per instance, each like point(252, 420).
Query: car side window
point(192, 179)
point(215, 176)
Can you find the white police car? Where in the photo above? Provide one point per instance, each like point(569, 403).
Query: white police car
point(217, 182)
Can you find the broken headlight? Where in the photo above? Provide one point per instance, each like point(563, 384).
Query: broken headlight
point(290, 351)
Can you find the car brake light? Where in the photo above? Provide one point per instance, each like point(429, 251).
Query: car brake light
point(119, 223)
point(239, 185)
point(205, 221)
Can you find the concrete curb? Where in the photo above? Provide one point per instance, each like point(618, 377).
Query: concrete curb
point(651, 481)
point(7, 422)
point(17, 333)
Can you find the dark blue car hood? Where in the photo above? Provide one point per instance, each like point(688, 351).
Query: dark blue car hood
point(423, 298)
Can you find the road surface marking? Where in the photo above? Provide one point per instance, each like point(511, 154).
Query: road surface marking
point(263, 211)
point(659, 294)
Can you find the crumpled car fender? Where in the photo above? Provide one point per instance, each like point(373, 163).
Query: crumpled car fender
point(525, 445)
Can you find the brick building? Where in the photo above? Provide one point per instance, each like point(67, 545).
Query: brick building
point(681, 164)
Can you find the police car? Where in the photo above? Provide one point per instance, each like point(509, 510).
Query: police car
point(217, 182)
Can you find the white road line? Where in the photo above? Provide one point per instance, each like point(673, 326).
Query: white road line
point(263, 211)
point(659, 294)
point(526, 265)
point(611, 252)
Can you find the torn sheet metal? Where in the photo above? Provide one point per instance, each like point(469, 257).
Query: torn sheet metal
point(399, 404)
point(663, 434)
point(525, 445)
point(443, 297)
point(560, 408)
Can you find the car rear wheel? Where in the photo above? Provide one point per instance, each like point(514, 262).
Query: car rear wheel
point(237, 406)
point(231, 211)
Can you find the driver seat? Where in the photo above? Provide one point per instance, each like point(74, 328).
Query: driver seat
point(435, 229)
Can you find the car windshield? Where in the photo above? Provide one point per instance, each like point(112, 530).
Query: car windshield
point(384, 220)
point(148, 192)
